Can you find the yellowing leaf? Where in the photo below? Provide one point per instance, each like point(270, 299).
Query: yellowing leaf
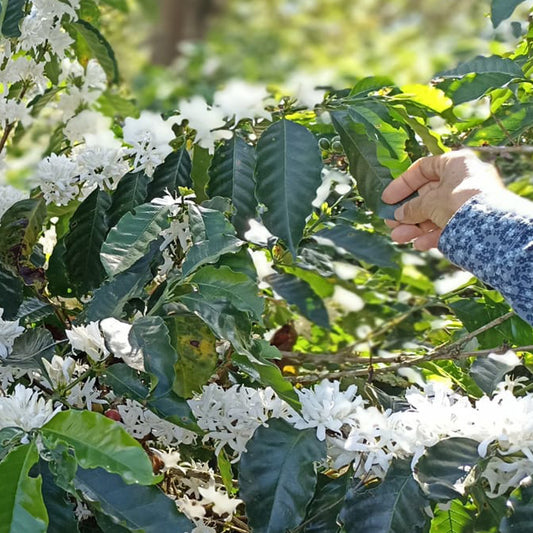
point(428, 96)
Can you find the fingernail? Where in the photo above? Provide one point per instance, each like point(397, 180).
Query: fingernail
point(398, 214)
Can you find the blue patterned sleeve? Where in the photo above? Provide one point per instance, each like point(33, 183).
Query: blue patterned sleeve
point(491, 236)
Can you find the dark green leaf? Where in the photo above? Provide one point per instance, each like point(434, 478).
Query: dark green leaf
point(131, 238)
point(13, 15)
point(130, 192)
point(109, 300)
point(372, 177)
point(363, 245)
point(56, 274)
point(472, 86)
point(521, 505)
point(126, 381)
point(298, 292)
point(232, 175)
point(489, 371)
point(445, 466)
point(326, 504)
point(33, 310)
point(42, 100)
point(277, 491)
point(502, 9)
point(138, 508)
point(150, 335)
point(396, 505)
point(481, 64)
point(456, 519)
point(20, 228)
point(212, 236)
point(99, 442)
point(60, 508)
point(87, 231)
point(288, 173)
point(201, 160)
point(175, 172)
point(30, 347)
point(9, 437)
point(10, 294)
point(90, 44)
point(22, 507)
point(174, 409)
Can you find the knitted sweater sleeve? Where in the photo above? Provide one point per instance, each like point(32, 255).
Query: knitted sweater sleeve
point(491, 236)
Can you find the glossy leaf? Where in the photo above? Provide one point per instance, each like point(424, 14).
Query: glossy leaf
point(138, 508)
point(87, 232)
point(521, 505)
point(363, 245)
point(13, 15)
point(298, 292)
point(456, 519)
point(482, 64)
point(100, 442)
point(197, 356)
point(20, 228)
point(473, 86)
point(34, 309)
point(175, 172)
point(131, 238)
point(21, 505)
point(126, 381)
point(277, 491)
point(396, 505)
point(489, 371)
point(212, 236)
point(30, 347)
point(502, 9)
point(288, 173)
point(10, 294)
point(445, 466)
point(130, 192)
point(174, 409)
point(372, 177)
point(90, 43)
point(151, 336)
point(232, 175)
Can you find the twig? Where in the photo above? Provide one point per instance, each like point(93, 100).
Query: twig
point(520, 149)
point(504, 129)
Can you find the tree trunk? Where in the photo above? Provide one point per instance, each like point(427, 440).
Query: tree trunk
point(181, 20)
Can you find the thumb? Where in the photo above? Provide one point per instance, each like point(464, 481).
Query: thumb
point(414, 211)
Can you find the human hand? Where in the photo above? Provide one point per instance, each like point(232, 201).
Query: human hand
point(443, 183)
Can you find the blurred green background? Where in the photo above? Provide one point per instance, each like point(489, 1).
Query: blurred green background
point(174, 48)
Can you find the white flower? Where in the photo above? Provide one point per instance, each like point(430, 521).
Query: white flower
point(25, 409)
point(205, 120)
point(59, 179)
point(240, 99)
point(9, 331)
point(149, 135)
point(222, 503)
point(303, 87)
point(341, 181)
point(12, 111)
point(86, 122)
point(90, 340)
point(84, 394)
point(8, 196)
point(59, 370)
point(100, 165)
point(116, 334)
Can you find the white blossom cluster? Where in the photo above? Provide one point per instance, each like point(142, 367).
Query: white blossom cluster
point(369, 438)
point(9, 331)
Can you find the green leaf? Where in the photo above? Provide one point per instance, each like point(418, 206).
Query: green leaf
point(481, 64)
point(456, 519)
point(109, 300)
point(21, 505)
point(121, 5)
point(131, 238)
point(212, 237)
point(99, 442)
point(113, 105)
point(232, 175)
point(502, 9)
point(288, 173)
point(487, 372)
point(521, 504)
point(130, 192)
point(175, 172)
point(10, 294)
point(9, 438)
point(87, 231)
point(13, 15)
point(30, 347)
point(372, 177)
point(20, 228)
point(34, 310)
point(445, 466)
point(151, 336)
point(59, 507)
point(277, 491)
point(473, 86)
point(41, 101)
point(326, 504)
point(90, 43)
point(363, 245)
point(201, 160)
point(396, 505)
point(197, 356)
point(126, 381)
point(298, 292)
point(174, 409)
point(138, 508)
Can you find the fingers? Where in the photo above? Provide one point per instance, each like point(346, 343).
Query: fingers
point(420, 173)
point(415, 211)
point(428, 240)
point(404, 233)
